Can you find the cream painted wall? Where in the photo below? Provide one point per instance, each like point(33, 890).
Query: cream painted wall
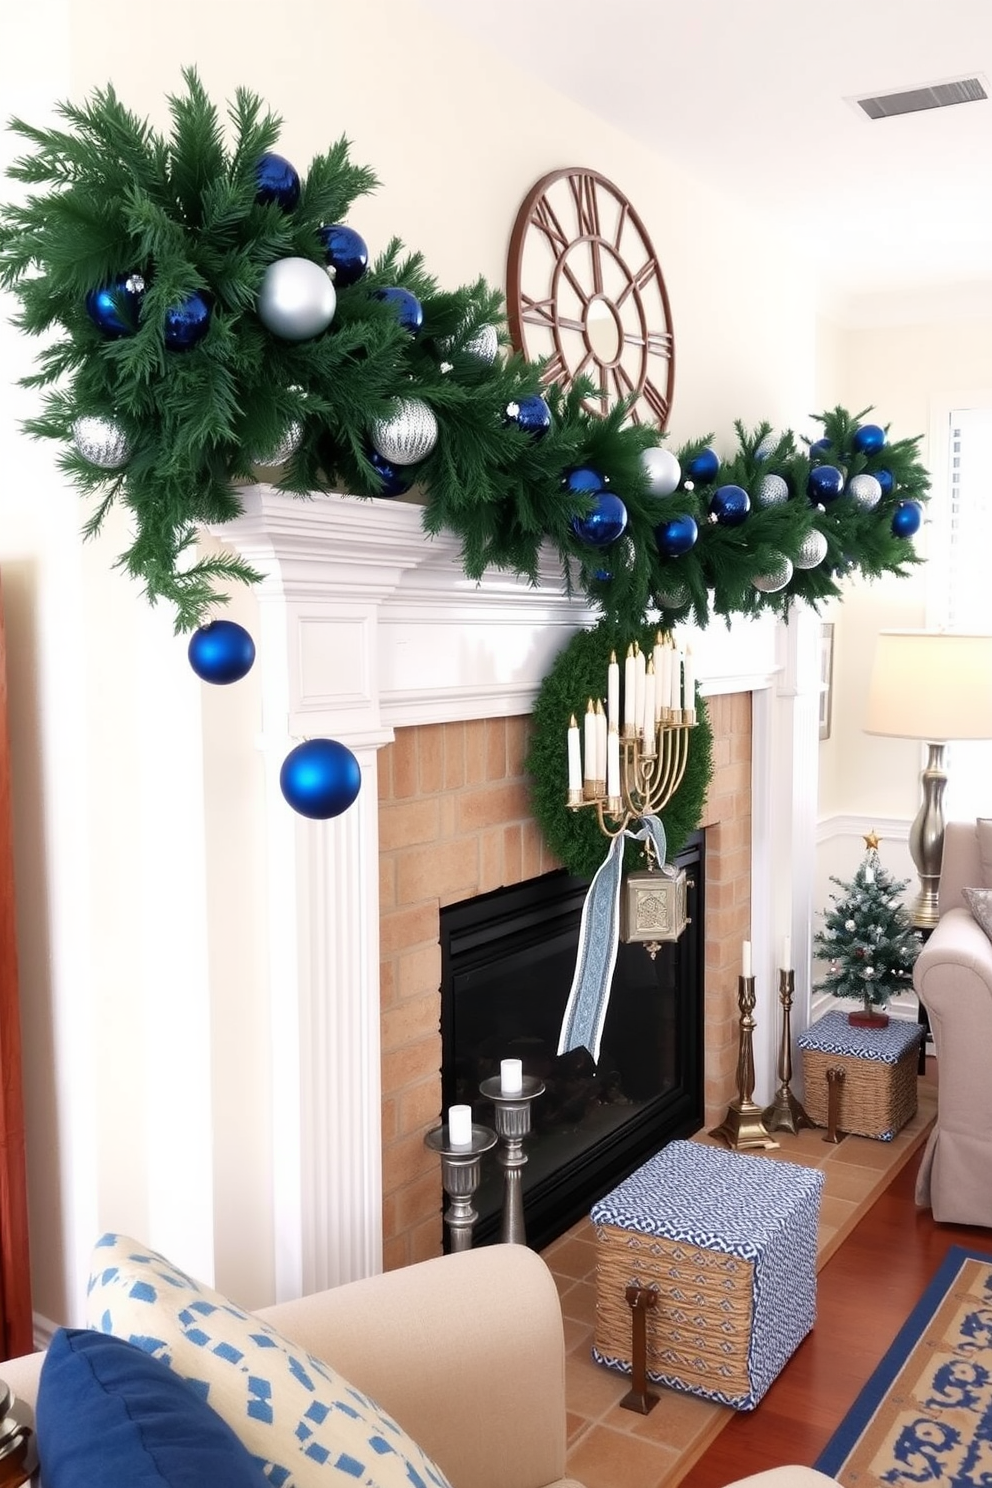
point(138, 792)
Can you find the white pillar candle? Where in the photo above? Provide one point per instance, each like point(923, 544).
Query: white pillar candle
point(613, 691)
point(460, 1126)
point(640, 670)
point(511, 1077)
point(746, 959)
point(602, 729)
point(613, 765)
point(787, 953)
point(574, 757)
point(649, 704)
point(665, 676)
point(629, 690)
point(589, 729)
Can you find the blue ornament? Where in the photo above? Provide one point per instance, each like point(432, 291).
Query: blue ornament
point(820, 450)
point(677, 535)
point(886, 480)
point(531, 414)
point(277, 181)
point(115, 308)
point(584, 480)
point(704, 466)
point(409, 311)
point(730, 505)
point(869, 438)
point(906, 518)
point(221, 652)
point(824, 484)
point(188, 322)
point(320, 778)
point(346, 251)
point(393, 479)
point(603, 523)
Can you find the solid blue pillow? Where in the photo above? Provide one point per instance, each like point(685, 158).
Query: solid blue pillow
point(110, 1414)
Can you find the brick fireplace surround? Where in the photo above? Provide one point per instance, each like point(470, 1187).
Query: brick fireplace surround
point(454, 822)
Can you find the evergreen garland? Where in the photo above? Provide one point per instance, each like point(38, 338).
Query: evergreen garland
point(578, 673)
point(110, 198)
point(867, 937)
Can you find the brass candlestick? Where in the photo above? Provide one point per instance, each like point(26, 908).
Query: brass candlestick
point(785, 1112)
point(743, 1127)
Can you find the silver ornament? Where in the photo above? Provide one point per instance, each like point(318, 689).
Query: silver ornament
point(767, 446)
point(287, 446)
point(135, 284)
point(777, 578)
point(772, 491)
point(484, 344)
point(407, 435)
point(101, 442)
point(297, 299)
point(813, 550)
point(662, 470)
point(673, 598)
point(865, 491)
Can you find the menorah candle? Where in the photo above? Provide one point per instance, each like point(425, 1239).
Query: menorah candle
point(640, 671)
point(613, 691)
point(629, 689)
point(688, 680)
point(665, 676)
point(613, 765)
point(648, 715)
point(589, 738)
point(602, 728)
point(787, 953)
point(574, 757)
point(746, 959)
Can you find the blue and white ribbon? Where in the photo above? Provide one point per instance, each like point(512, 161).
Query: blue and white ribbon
point(599, 936)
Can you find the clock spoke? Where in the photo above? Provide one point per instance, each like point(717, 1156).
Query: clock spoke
point(583, 188)
point(545, 220)
point(656, 401)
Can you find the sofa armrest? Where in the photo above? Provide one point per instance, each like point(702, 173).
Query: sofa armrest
point(953, 978)
point(465, 1351)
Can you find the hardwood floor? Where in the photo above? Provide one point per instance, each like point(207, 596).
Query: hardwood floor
point(865, 1293)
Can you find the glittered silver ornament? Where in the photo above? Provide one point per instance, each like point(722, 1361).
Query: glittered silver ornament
point(813, 550)
point(101, 441)
point(865, 491)
point(484, 344)
point(776, 578)
point(772, 491)
point(407, 434)
point(287, 446)
point(662, 470)
point(297, 299)
point(767, 446)
point(672, 598)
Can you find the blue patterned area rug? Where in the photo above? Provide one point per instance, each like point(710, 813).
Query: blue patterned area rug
point(925, 1416)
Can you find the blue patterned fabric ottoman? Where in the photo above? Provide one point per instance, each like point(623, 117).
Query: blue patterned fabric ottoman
point(880, 1065)
point(728, 1243)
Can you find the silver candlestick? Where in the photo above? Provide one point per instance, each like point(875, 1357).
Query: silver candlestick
point(461, 1168)
point(512, 1114)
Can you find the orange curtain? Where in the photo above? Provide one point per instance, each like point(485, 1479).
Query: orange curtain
point(16, 1326)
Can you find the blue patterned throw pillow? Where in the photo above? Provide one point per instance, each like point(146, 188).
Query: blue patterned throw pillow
point(306, 1426)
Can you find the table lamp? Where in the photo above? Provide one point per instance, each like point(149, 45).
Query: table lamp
point(932, 686)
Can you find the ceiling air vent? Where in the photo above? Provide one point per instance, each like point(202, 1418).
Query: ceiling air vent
point(932, 96)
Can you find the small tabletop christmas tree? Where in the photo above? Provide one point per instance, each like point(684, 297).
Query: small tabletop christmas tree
point(868, 939)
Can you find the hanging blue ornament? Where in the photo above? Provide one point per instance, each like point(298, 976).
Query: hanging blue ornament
point(346, 253)
point(824, 484)
point(221, 652)
point(531, 414)
point(820, 450)
point(584, 480)
point(277, 181)
point(115, 308)
point(394, 480)
point(869, 438)
point(603, 523)
point(730, 505)
point(409, 311)
point(906, 518)
point(188, 322)
point(886, 480)
point(676, 536)
point(704, 466)
point(320, 778)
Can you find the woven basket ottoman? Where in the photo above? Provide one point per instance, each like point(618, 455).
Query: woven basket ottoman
point(878, 1092)
point(728, 1242)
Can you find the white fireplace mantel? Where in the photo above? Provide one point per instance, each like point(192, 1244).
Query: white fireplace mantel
point(367, 624)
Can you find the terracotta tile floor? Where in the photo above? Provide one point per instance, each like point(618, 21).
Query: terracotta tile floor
point(609, 1446)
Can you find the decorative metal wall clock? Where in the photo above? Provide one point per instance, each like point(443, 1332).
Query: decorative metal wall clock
point(585, 289)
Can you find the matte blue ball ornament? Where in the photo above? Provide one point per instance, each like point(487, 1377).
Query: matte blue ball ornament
point(187, 323)
point(824, 484)
point(906, 518)
point(869, 438)
point(277, 181)
point(730, 505)
point(704, 466)
point(531, 414)
point(221, 652)
point(603, 523)
point(677, 535)
point(394, 479)
point(115, 308)
point(320, 778)
point(409, 311)
point(584, 480)
point(662, 469)
point(886, 480)
point(346, 253)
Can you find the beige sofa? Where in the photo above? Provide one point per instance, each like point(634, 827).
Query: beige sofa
point(953, 979)
point(466, 1352)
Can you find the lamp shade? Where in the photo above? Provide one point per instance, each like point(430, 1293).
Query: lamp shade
point(929, 684)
